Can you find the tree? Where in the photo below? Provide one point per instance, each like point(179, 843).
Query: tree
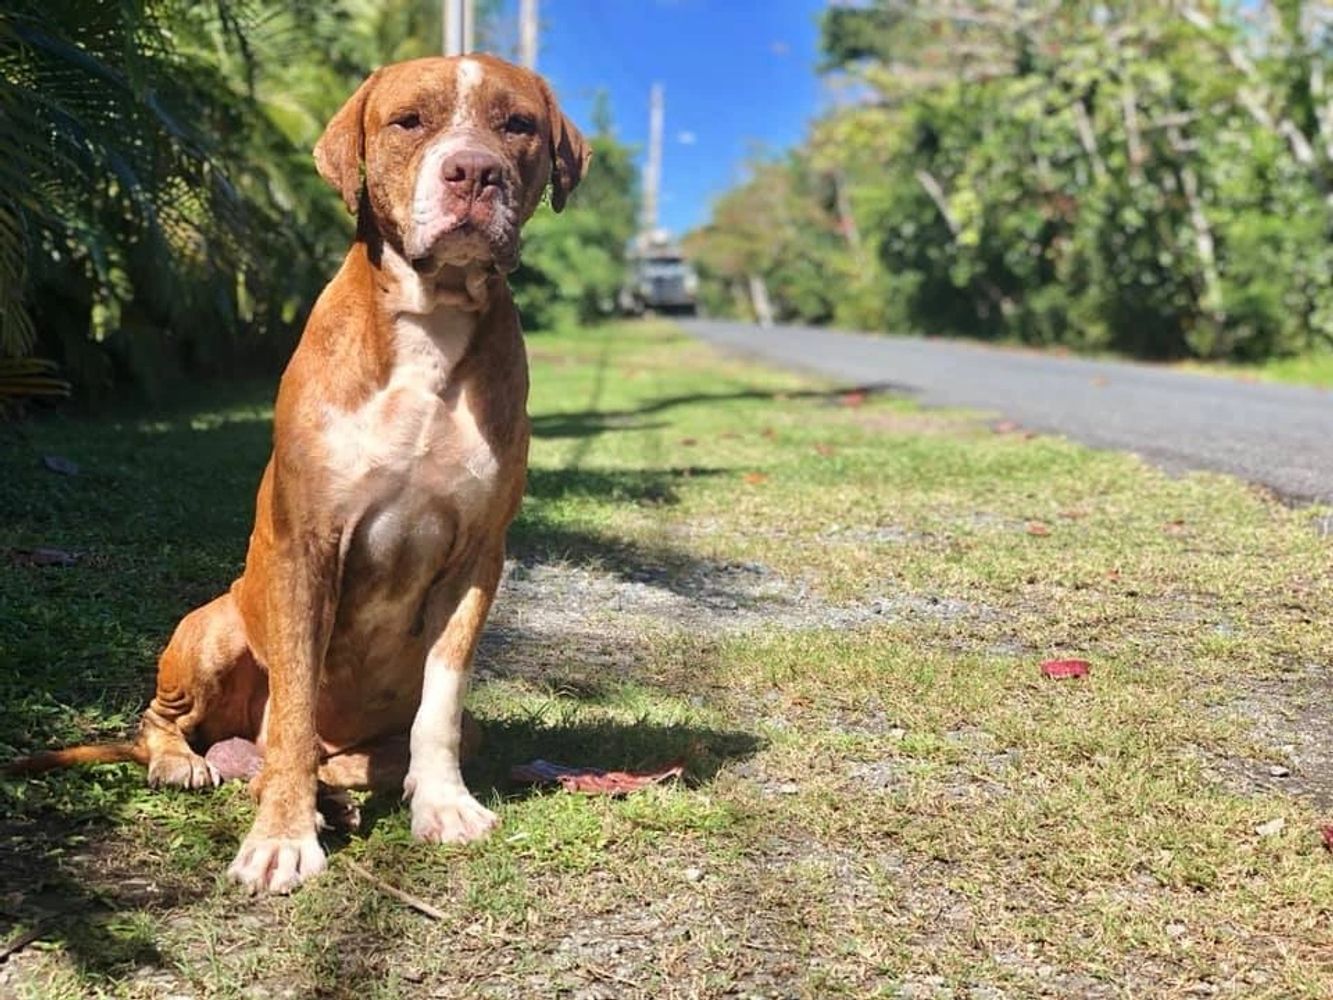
point(1150, 178)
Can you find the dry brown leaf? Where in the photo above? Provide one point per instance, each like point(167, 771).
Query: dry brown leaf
point(593, 780)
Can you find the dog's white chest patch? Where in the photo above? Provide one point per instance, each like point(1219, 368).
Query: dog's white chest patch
point(412, 457)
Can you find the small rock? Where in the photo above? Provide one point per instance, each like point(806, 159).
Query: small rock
point(1272, 828)
point(788, 788)
point(1175, 930)
point(1279, 771)
point(693, 874)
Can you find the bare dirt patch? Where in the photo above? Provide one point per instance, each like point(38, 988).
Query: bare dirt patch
point(550, 614)
point(1289, 717)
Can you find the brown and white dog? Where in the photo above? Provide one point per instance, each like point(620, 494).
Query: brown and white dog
point(399, 458)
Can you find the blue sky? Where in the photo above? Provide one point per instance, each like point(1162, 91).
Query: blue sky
point(737, 73)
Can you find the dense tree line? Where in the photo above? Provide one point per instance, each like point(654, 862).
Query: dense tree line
point(160, 214)
point(1149, 177)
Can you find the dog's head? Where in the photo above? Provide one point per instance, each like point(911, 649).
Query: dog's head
point(457, 153)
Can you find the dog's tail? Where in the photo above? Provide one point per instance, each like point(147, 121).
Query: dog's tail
point(99, 753)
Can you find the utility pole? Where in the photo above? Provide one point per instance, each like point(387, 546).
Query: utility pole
point(458, 27)
point(652, 174)
point(527, 33)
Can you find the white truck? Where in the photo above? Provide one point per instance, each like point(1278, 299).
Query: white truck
point(659, 279)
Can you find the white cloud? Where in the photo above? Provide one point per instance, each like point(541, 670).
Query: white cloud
point(779, 48)
point(686, 138)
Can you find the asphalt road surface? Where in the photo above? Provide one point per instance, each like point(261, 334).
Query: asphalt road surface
point(1277, 435)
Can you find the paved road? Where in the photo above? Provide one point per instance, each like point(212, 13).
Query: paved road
point(1277, 435)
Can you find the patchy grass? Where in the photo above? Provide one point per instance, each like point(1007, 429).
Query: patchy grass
point(833, 604)
point(1315, 368)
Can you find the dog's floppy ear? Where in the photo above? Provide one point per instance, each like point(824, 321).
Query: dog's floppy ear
point(342, 147)
point(570, 152)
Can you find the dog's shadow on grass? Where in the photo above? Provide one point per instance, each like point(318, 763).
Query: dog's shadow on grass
point(601, 743)
point(596, 421)
point(54, 869)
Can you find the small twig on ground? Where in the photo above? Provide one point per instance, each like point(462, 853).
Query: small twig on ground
point(606, 975)
point(20, 941)
point(406, 898)
point(760, 946)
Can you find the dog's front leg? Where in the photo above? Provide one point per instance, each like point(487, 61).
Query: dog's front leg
point(295, 592)
point(443, 810)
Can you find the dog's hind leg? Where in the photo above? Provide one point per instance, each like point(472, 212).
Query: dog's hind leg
point(382, 765)
point(209, 687)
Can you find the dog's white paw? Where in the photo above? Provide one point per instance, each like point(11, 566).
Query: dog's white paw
point(450, 818)
point(184, 770)
point(277, 864)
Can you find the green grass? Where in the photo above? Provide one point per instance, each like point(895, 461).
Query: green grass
point(1314, 369)
point(884, 796)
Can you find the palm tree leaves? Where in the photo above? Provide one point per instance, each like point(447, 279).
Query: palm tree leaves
point(131, 173)
point(159, 208)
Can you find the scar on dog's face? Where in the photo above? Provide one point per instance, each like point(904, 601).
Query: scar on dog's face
point(457, 153)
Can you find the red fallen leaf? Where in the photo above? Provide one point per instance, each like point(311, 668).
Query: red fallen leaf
point(1073, 514)
point(689, 442)
point(854, 398)
point(1062, 669)
point(755, 478)
point(1113, 574)
point(825, 449)
point(1326, 834)
point(593, 780)
point(769, 433)
point(1038, 528)
point(1176, 527)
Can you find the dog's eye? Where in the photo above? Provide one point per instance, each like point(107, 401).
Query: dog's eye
point(521, 125)
point(407, 121)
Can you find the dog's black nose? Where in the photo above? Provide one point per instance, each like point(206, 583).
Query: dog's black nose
point(472, 168)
